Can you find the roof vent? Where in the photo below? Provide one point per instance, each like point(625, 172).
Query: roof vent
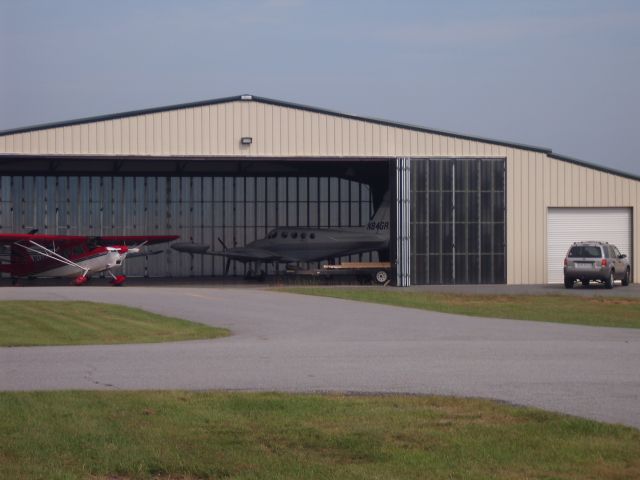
point(246, 97)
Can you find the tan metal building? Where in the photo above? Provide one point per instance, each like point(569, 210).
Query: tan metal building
point(539, 186)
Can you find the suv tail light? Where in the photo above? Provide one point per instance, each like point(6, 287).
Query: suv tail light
point(566, 262)
point(604, 262)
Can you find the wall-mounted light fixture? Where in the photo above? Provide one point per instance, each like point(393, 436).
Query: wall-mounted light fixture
point(246, 140)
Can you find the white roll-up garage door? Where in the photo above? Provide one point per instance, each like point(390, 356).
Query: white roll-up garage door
point(568, 225)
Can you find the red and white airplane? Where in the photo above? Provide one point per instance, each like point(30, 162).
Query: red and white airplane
point(79, 257)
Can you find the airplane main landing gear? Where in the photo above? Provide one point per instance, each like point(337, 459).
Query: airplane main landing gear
point(80, 280)
point(117, 279)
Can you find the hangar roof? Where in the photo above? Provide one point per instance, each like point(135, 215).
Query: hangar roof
point(269, 101)
point(279, 103)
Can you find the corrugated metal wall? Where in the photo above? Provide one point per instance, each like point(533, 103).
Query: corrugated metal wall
point(535, 181)
point(216, 130)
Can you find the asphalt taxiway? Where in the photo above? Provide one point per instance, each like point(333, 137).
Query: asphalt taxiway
point(296, 343)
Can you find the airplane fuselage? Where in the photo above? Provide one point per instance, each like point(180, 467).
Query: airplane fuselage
point(313, 244)
point(306, 244)
point(78, 256)
point(92, 261)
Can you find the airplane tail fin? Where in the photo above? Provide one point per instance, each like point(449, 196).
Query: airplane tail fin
point(380, 221)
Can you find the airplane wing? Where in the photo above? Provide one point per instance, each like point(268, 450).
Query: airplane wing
point(241, 254)
point(147, 253)
point(104, 240)
point(253, 255)
point(11, 238)
point(108, 240)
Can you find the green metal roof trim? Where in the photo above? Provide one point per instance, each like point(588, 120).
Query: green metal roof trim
point(297, 106)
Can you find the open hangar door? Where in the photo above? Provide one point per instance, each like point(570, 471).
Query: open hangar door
point(202, 200)
point(568, 225)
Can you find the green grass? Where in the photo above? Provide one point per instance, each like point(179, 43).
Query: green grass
point(123, 435)
point(595, 311)
point(29, 323)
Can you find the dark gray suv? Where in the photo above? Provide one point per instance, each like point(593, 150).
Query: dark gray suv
point(595, 261)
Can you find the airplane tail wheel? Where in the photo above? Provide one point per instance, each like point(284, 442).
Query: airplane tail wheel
point(118, 280)
point(81, 280)
point(381, 277)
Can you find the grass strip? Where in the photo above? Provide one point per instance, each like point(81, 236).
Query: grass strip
point(142, 435)
point(31, 323)
point(595, 311)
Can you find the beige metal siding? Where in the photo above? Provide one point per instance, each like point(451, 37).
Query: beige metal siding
point(277, 131)
point(535, 181)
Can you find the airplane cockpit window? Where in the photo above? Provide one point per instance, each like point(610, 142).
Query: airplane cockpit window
point(284, 234)
point(294, 234)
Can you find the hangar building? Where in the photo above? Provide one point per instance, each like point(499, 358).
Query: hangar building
point(464, 209)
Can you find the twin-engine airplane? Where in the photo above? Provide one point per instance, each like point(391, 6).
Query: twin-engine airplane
point(305, 244)
point(79, 257)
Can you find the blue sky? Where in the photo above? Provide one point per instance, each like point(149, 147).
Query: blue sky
point(562, 74)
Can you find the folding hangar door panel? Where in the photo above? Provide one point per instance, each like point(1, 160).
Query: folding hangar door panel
point(568, 225)
point(457, 221)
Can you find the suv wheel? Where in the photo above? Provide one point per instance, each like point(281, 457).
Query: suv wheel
point(585, 283)
point(568, 282)
point(609, 282)
point(626, 278)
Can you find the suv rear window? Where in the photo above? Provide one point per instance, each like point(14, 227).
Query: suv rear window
point(585, 251)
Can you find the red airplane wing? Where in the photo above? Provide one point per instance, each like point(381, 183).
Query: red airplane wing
point(134, 239)
point(66, 240)
point(61, 240)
